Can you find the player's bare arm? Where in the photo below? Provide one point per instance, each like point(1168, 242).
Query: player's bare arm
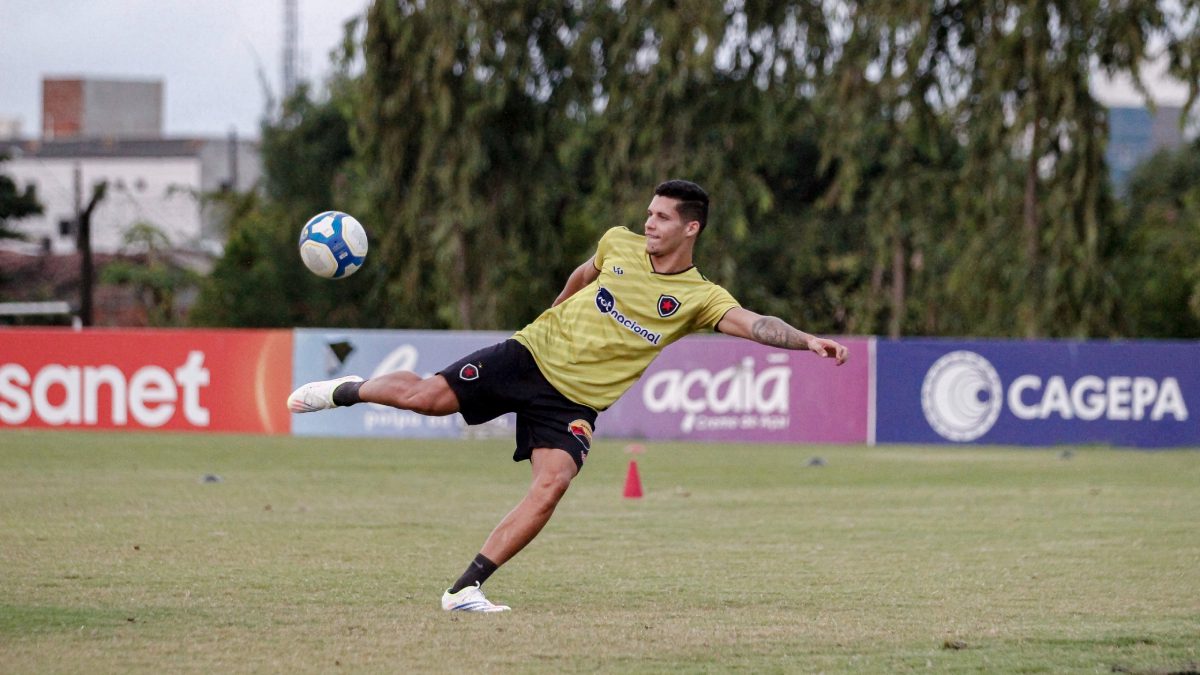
point(776, 332)
point(582, 276)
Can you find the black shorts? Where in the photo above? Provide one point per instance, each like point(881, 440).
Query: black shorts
point(504, 378)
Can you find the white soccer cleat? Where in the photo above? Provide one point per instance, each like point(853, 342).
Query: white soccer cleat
point(316, 396)
point(470, 599)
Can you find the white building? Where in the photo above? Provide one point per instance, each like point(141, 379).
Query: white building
point(158, 181)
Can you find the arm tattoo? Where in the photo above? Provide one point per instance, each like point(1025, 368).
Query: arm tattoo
point(775, 332)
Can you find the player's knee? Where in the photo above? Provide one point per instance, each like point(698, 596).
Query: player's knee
point(550, 487)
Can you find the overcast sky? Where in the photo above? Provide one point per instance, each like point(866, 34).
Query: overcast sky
point(207, 53)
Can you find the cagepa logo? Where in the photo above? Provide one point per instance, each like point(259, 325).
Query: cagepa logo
point(962, 396)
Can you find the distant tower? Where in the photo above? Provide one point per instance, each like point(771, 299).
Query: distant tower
point(291, 52)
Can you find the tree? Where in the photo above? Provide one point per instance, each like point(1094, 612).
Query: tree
point(15, 204)
point(155, 278)
point(889, 144)
point(464, 113)
point(899, 168)
point(259, 280)
point(1028, 243)
point(1160, 272)
point(1025, 67)
point(498, 140)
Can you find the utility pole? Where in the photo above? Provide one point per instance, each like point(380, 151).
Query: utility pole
point(291, 55)
point(83, 242)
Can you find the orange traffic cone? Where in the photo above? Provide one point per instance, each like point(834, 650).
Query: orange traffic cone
point(633, 482)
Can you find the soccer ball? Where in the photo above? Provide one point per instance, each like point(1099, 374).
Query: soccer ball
point(333, 245)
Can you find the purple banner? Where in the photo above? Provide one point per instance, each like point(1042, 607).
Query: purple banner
point(726, 389)
point(1038, 393)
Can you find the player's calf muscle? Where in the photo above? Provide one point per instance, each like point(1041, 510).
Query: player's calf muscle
point(406, 390)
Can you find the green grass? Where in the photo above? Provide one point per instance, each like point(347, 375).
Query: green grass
point(322, 556)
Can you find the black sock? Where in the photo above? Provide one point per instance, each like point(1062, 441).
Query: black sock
point(347, 394)
point(477, 572)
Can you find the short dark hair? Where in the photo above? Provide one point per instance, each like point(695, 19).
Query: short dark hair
point(693, 200)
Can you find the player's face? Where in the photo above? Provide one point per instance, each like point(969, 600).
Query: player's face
point(665, 229)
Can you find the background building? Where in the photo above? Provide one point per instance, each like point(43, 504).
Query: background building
point(156, 181)
point(10, 128)
point(93, 108)
point(111, 130)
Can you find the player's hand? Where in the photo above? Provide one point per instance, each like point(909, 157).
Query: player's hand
point(829, 349)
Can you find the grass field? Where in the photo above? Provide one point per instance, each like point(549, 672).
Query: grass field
point(321, 556)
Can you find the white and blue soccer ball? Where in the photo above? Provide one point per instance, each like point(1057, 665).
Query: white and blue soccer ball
point(333, 245)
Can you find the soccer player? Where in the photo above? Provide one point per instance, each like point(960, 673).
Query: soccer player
point(636, 295)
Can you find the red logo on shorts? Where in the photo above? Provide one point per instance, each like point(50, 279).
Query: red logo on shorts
point(582, 431)
point(667, 305)
point(469, 372)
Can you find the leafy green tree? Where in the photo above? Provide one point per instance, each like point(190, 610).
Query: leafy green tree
point(888, 140)
point(464, 109)
point(899, 168)
point(1161, 272)
point(498, 140)
point(1028, 243)
point(1026, 69)
point(15, 204)
point(306, 150)
point(259, 281)
point(156, 279)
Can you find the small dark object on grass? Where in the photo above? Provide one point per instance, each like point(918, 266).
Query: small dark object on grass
point(1066, 454)
point(816, 461)
point(954, 644)
point(210, 478)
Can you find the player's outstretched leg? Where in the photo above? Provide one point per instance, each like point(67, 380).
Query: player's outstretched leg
point(316, 396)
point(402, 389)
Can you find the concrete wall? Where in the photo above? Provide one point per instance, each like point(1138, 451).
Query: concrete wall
point(155, 190)
point(122, 109)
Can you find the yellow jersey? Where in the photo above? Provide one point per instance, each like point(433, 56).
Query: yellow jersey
point(594, 345)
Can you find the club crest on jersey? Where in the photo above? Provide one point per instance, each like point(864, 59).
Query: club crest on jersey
point(667, 305)
point(469, 372)
point(582, 431)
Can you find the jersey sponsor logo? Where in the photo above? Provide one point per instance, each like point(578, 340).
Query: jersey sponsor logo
point(618, 271)
point(582, 431)
point(667, 305)
point(469, 372)
point(607, 304)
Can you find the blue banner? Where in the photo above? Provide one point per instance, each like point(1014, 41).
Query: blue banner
point(1137, 394)
point(327, 354)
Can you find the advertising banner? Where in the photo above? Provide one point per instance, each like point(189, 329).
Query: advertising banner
point(326, 354)
point(727, 389)
point(179, 380)
point(1138, 394)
